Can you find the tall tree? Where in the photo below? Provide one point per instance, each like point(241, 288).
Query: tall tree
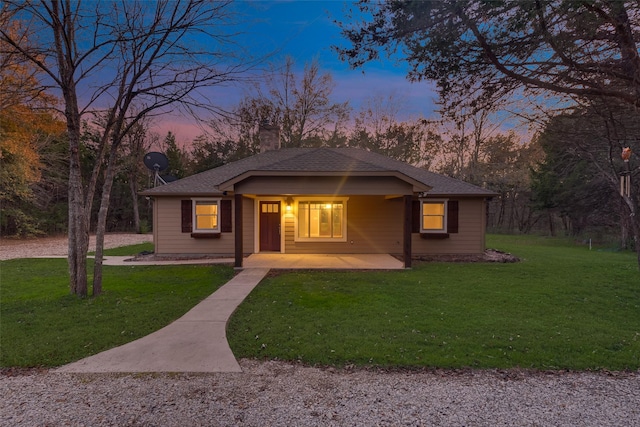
point(503, 166)
point(478, 51)
point(234, 136)
point(377, 128)
point(130, 59)
point(28, 124)
point(177, 158)
point(301, 105)
point(482, 52)
point(136, 144)
point(580, 175)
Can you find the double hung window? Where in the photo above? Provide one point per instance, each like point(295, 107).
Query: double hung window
point(434, 216)
point(206, 216)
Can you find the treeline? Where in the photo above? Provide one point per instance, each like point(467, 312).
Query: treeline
point(562, 180)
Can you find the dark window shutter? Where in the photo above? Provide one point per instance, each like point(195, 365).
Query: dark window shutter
point(187, 216)
point(452, 216)
point(415, 216)
point(226, 220)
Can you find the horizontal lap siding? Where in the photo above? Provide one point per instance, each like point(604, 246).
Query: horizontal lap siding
point(374, 225)
point(468, 240)
point(169, 238)
point(248, 225)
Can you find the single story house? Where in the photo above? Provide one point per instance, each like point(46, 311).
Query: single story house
point(318, 201)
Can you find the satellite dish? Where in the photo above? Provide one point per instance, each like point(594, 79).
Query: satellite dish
point(155, 161)
point(168, 178)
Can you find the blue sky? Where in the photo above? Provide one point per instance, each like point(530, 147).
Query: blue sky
point(305, 30)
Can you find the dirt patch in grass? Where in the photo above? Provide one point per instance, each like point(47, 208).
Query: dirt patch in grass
point(489, 255)
point(150, 256)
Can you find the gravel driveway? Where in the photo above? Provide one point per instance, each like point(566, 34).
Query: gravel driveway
point(282, 394)
point(278, 393)
point(58, 246)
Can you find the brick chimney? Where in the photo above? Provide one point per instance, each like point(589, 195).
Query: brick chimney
point(269, 136)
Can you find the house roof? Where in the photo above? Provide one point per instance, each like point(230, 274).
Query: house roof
point(315, 162)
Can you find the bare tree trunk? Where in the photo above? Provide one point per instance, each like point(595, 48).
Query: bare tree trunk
point(511, 214)
point(636, 239)
point(146, 39)
point(78, 225)
point(64, 33)
point(634, 220)
point(501, 210)
point(101, 226)
point(133, 186)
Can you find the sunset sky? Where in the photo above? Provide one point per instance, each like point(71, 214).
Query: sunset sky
point(305, 30)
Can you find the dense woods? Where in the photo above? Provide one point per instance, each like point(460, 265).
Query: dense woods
point(558, 180)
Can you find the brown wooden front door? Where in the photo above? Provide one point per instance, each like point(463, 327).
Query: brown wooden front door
point(270, 226)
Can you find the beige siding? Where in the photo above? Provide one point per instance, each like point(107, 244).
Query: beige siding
point(169, 238)
point(248, 226)
point(374, 225)
point(468, 240)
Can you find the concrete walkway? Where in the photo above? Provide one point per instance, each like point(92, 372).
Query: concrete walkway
point(196, 342)
point(284, 261)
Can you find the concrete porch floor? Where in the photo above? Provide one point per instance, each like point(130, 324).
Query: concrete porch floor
point(323, 261)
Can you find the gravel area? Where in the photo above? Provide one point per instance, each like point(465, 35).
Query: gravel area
point(58, 246)
point(277, 393)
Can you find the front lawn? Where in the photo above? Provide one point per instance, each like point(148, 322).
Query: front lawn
point(41, 324)
point(562, 307)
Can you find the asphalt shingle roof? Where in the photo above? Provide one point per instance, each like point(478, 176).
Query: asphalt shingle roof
point(318, 160)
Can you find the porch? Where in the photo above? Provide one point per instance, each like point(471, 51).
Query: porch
point(323, 261)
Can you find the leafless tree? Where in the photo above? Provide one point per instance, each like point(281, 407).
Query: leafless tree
point(301, 105)
point(123, 60)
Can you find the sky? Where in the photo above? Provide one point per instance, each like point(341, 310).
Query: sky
point(305, 30)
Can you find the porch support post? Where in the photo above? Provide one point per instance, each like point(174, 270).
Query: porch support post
point(406, 231)
point(237, 225)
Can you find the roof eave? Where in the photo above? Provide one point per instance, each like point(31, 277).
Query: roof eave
point(149, 193)
point(229, 184)
point(454, 194)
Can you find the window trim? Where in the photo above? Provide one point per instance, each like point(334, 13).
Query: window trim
point(445, 215)
point(194, 217)
point(320, 199)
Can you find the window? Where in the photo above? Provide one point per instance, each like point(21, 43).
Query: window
point(205, 215)
point(210, 216)
point(321, 220)
point(270, 207)
point(434, 216)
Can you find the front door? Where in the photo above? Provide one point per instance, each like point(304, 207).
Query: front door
point(270, 226)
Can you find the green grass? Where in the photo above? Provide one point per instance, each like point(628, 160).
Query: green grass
point(130, 250)
point(41, 324)
point(562, 307)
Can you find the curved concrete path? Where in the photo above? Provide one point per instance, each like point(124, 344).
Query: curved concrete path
point(196, 342)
